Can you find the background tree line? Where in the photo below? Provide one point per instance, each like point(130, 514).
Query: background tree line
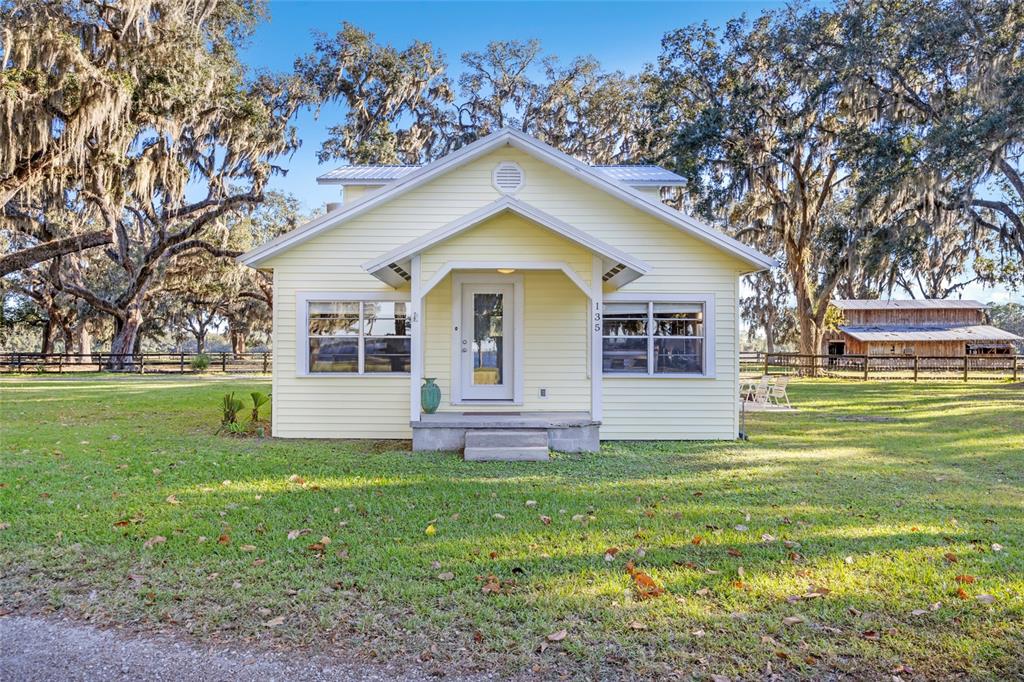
point(873, 148)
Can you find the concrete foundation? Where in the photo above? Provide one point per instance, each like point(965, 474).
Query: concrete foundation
point(566, 431)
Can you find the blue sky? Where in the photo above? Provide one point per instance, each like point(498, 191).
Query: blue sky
point(621, 35)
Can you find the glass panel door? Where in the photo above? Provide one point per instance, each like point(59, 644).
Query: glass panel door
point(487, 338)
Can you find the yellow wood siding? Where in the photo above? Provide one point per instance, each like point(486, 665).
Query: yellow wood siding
point(555, 354)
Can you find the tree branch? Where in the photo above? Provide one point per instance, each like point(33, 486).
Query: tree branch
point(24, 258)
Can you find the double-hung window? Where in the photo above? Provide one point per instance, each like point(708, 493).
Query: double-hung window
point(653, 338)
point(358, 337)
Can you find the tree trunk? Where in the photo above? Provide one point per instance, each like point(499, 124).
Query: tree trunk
point(237, 342)
point(200, 340)
point(46, 342)
point(125, 338)
point(83, 341)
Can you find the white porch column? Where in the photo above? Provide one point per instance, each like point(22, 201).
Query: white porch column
point(416, 345)
point(596, 307)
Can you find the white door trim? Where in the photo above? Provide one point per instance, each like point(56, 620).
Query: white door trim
point(516, 280)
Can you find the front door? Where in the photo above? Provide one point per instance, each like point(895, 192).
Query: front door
point(486, 353)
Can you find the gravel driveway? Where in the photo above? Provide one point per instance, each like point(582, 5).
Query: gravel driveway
point(41, 649)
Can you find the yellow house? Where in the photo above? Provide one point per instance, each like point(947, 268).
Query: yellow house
point(552, 303)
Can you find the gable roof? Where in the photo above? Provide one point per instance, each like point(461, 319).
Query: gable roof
point(537, 149)
point(912, 304)
point(393, 267)
point(374, 176)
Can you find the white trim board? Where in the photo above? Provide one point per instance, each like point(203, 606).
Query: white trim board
point(527, 144)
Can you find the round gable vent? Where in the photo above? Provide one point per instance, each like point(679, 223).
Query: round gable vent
point(508, 177)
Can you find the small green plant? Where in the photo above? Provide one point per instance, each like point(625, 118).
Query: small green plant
point(259, 399)
point(231, 406)
point(200, 362)
point(236, 428)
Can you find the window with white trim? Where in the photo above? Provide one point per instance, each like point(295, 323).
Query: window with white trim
point(653, 338)
point(359, 337)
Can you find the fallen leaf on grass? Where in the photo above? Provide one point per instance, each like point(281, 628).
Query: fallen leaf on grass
point(224, 539)
point(871, 635)
point(274, 622)
point(446, 576)
point(962, 593)
point(792, 620)
point(201, 539)
point(637, 625)
point(171, 499)
point(430, 530)
point(5, 525)
point(950, 557)
point(646, 587)
point(155, 540)
point(558, 635)
point(696, 540)
point(531, 503)
point(609, 554)
point(965, 579)
point(546, 520)
point(734, 552)
point(292, 534)
point(248, 548)
point(996, 547)
point(298, 480)
point(741, 528)
point(986, 598)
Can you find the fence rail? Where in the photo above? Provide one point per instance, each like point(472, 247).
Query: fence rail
point(864, 367)
point(137, 363)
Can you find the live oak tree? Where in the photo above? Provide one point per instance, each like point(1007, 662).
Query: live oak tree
point(757, 130)
point(400, 106)
point(183, 137)
point(945, 83)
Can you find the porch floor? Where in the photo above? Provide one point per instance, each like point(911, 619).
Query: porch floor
point(504, 420)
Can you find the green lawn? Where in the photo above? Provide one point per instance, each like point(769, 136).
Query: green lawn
point(875, 496)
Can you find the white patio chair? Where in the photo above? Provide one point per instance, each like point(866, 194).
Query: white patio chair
point(759, 393)
point(777, 391)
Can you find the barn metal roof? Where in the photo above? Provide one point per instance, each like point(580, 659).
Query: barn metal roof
point(900, 332)
point(896, 304)
point(634, 176)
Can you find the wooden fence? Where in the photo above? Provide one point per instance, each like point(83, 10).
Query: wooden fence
point(138, 363)
point(864, 367)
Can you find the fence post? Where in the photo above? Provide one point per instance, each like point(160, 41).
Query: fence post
point(916, 363)
point(142, 363)
point(865, 367)
point(766, 363)
point(1014, 361)
point(182, 363)
point(224, 362)
point(264, 362)
point(17, 361)
point(60, 364)
point(965, 367)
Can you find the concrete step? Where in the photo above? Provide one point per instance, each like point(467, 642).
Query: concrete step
point(513, 438)
point(506, 454)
